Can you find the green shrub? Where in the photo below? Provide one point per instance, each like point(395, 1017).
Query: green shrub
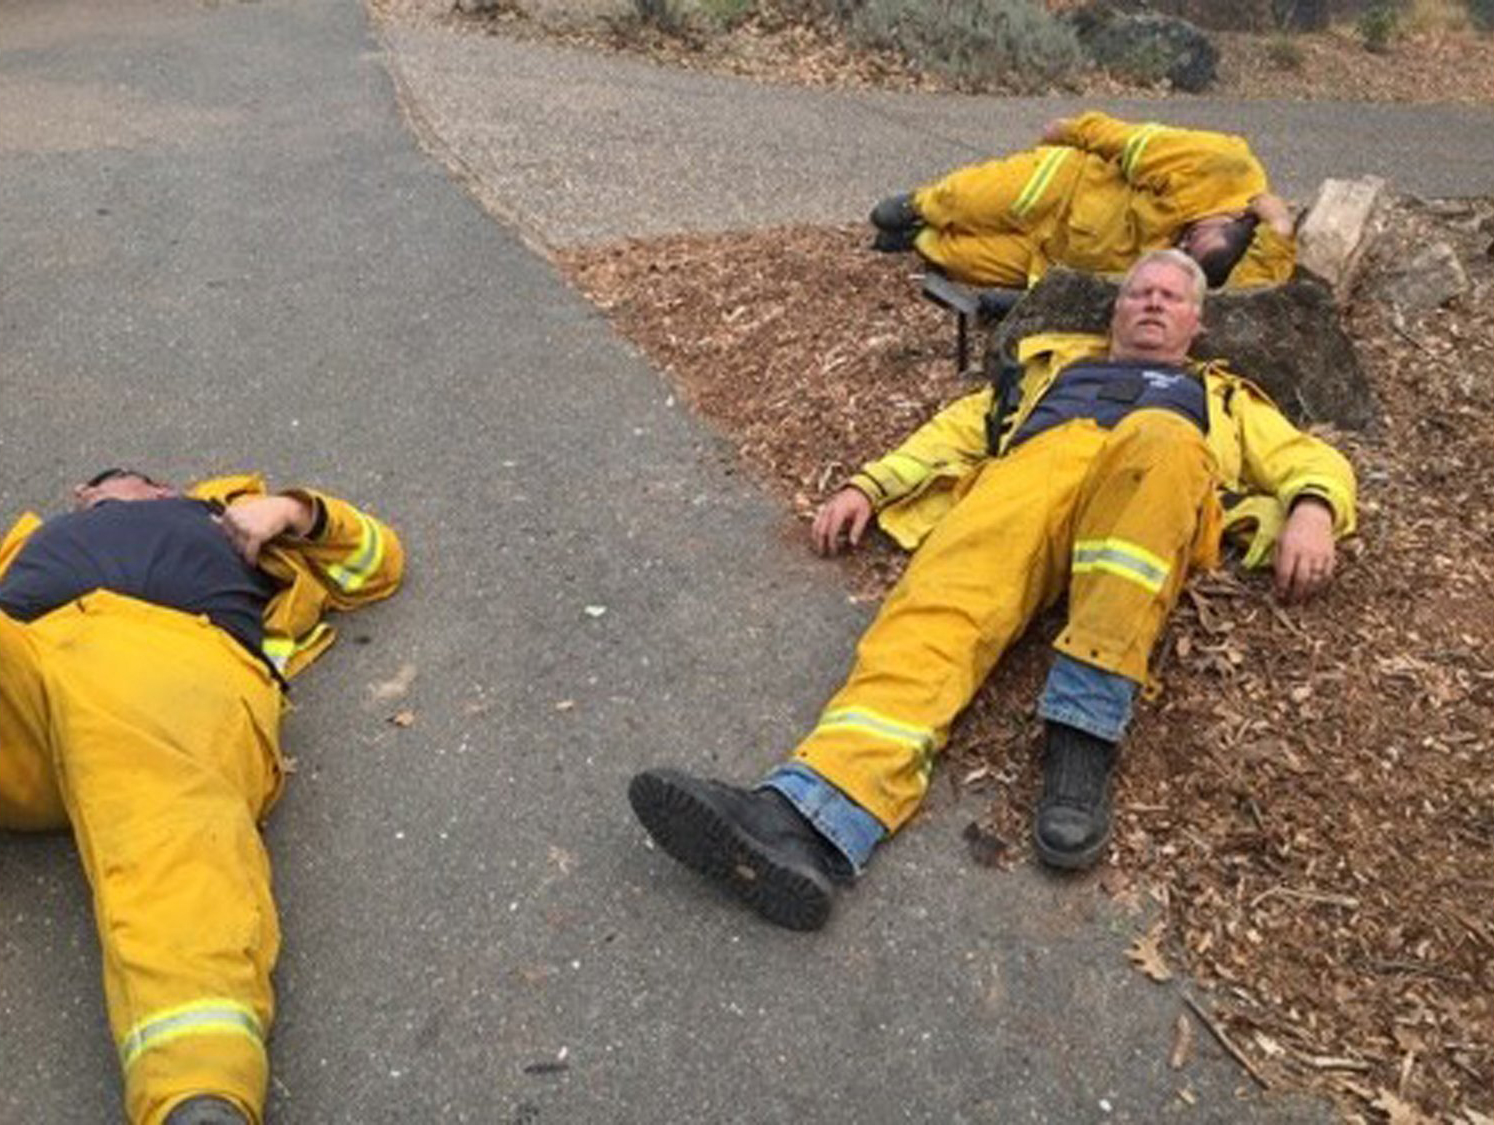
point(1284, 53)
point(1481, 12)
point(973, 41)
point(666, 15)
point(839, 11)
point(1377, 27)
point(1300, 15)
point(727, 13)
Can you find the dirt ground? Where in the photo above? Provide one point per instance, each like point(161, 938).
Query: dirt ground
point(1309, 799)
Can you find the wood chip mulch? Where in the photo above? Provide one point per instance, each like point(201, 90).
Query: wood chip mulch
point(1308, 805)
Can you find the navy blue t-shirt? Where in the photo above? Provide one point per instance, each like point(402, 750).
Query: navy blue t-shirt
point(169, 552)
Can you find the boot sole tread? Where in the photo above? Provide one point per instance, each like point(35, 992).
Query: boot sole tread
point(693, 832)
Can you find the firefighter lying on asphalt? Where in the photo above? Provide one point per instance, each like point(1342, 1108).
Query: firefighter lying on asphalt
point(1096, 475)
point(146, 638)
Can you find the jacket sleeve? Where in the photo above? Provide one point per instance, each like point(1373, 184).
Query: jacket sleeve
point(1198, 172)
point(357, 558)
point(1283, 461)
point(1268, 260)
point(948, 445)
point(352, 557)
point(16, 538)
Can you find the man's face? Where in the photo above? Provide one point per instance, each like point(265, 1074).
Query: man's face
point(1155, 317)
point(1207, 235)
point(122, 485)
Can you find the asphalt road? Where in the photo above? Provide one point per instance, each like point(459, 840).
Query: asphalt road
point(221, 248)
point(575, 147)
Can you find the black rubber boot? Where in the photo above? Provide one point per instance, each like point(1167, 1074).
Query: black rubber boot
point(896, 213)
point(753, 842)
point(894, 241)
point(1073, 817)
point(205, 1109)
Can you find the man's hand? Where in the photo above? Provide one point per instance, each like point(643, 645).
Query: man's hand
point(1273, 211)
point(1304, 550)
point(1055, 131)
point(250, 524)
point(842, 519)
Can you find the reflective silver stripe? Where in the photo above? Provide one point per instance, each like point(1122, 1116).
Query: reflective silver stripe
point(1122, 559)
point(352, 575)
point(202, 1017)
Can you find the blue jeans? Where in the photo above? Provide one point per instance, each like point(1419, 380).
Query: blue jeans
point(1076, 694)
point(1089, 698)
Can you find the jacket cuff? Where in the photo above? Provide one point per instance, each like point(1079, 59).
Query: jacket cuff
point(318, 512)
point(867, 485)
point(1330, 493)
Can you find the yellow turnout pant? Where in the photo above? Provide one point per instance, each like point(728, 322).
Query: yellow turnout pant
point(155, 735)
point(1113, 517)
point(986, 221)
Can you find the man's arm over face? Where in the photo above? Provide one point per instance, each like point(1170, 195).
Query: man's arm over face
point(1198, 172)
point(352, 557)
point(1272, 254)
point(256, 520)
point(357, 557)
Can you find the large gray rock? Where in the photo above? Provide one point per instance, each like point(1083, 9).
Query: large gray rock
point(1286, 338)
point(1147, 45)
point(1431, 277)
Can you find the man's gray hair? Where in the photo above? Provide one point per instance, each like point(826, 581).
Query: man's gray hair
point(1173, 257)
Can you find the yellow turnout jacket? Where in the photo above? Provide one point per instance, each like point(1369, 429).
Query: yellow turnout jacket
point(1099, 198)
point(1263, 462)
point(354, 559)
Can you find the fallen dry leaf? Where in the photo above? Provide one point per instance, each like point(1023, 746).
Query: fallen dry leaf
point(1398, 1111)
point(986, 848)
point(1146, 954)
point(403, 718)
point(1182, 1041)
point(394, 687)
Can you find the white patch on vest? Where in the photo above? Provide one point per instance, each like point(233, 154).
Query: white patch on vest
point(1161, 380)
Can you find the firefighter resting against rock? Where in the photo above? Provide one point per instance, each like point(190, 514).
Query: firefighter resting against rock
point(1095, 196)
point(1097, 478)
point(145, 639)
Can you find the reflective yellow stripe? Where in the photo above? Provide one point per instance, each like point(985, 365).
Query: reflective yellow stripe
point(1134, 147)
point(867, 721)
point(280, 650)
point(909, 470)
point(201, 1017)
point(352, 575)
point(1122, 559)
point(1038, 182)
